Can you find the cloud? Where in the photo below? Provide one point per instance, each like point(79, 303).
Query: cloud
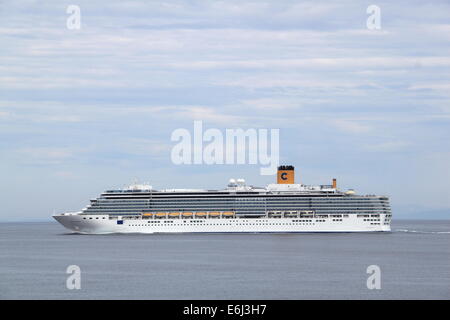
point(271, 104)
point(436, 86)
point(323, 63)
point(44, 155)
point(390, 146)
point(209, 115)
point(350, 126)
point(66, 174)
point(145, 147)
point(4, 114)
point(108, 96)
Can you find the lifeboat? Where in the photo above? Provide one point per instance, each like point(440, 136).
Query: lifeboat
point(275, 214)
point(161, 214)
point(174, 214)
point(200, 214)
point(187, 214)
point(214, 214)
point(228, 214)
point(147, 214)
point(290, 214)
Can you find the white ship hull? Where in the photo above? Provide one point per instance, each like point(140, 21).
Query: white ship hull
point(102, 224)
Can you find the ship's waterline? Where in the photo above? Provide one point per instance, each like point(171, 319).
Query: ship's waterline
point(277, 208)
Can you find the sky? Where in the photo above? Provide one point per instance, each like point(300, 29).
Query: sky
point(90, 109)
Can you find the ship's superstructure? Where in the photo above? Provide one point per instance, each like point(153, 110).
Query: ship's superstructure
point(281, 207)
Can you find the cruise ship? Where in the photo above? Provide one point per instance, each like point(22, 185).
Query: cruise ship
point(281, 207)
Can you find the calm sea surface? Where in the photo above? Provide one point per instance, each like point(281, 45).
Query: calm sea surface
point(414, 260)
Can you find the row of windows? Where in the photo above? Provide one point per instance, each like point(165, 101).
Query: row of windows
point(238, 224)
point(216, 207)
point(256, 200)
point(285, 206)
point(360, 212)
point(323, 200)
point(245, 222)
point(248, 198)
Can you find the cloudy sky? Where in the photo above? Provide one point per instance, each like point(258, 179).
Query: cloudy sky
point(86, 110)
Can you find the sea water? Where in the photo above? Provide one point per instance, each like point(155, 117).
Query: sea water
point(413, 260)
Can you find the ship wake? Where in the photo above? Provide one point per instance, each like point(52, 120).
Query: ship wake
point(421, 231)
